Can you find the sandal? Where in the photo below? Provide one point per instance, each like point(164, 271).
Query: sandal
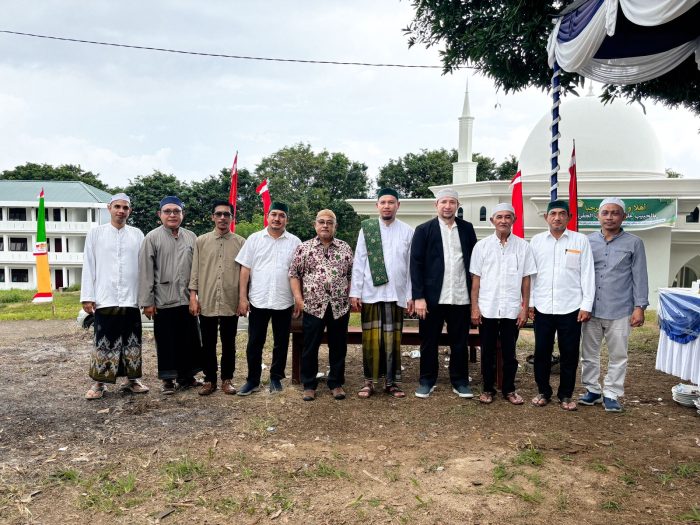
point(540, 400)
point(514, 398)
point(568, 404)
point(134, 386)
point(486, 398)
point(97, 390)
point(395, 391)
point(366, 390)
point(168, 388)
point(190, 383)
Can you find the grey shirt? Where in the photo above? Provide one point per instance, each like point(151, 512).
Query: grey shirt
point(164, 268)
point(621, 281)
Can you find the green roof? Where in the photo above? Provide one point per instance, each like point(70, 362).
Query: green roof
point(54, 191)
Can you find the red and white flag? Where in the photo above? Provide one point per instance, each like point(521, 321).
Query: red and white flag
point(573, 193)
point(233, 192)
point(516, 199)
point(264, 193)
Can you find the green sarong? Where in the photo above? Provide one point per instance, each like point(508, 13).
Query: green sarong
point(375, 253)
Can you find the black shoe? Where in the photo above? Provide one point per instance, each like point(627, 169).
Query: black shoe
point(275, 386)
point(248, 389)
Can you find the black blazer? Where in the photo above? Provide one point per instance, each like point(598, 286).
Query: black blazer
point(428, 261)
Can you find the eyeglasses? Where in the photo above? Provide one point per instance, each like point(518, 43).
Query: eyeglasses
point(171, 212)
point(220, 214)
point(325, 223)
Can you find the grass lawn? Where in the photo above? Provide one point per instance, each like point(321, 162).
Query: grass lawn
point(17, 304)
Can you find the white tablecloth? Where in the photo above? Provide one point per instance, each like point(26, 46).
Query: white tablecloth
point(681, 360)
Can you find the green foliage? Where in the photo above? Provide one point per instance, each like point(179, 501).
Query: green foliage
point(414, 173)
point(31, 171)
point(507, 41)
point(671, 174)
point(245, 228)
point(17, 305)
point(309, 182)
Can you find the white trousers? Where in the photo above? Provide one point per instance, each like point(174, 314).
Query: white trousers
point(616, 334)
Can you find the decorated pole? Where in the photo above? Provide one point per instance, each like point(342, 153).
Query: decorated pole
point(556, 88)
point(43, 276)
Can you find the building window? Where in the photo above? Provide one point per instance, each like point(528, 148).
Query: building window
point(20, 275)
point(2, 275)
point(18, 244)
point(18, 214)
point(694, 216)
point(2, 244)
point(0, 214)
point(482, 214)
point(57, 214)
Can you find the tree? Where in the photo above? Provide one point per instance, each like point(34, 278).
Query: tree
point(672, 174)
point(146, 192)
point(32, 171)
point(309, 182)
point(507, 41)
point(508, 168)
point(486, 169)
point(414, 173)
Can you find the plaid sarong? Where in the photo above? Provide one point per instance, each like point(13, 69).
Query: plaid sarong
point(117, 351)
point(381, 341)
point(375, 253)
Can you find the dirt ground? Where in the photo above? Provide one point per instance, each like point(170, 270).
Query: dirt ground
point(277, 459)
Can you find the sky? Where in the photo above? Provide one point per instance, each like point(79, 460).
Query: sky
point(123, 113)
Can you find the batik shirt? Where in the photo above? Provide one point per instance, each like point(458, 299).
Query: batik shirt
point(325, 274)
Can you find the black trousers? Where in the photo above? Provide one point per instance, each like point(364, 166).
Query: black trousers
point(226, 326)
point(490, 330)
point(337, 348)
point(258, 319)
point(568, 331)
point(178, 345)
point(458, 322)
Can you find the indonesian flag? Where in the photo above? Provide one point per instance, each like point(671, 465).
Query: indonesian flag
point(573, 193)
point(233, 192)
point(516, 199)
point(264, 193)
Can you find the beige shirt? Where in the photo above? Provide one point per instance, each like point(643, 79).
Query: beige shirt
point(215, 273)
point(454, 283)
point(164, 268)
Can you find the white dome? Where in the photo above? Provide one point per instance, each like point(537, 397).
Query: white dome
point(612, 140)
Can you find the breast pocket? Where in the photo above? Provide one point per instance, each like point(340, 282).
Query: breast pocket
point(573, 260)
point(621, 257)
point(511, 262)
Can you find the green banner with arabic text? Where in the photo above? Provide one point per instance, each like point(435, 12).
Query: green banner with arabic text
point(641, 213)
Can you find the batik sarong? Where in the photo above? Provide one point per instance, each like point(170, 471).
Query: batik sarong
point(381, 341)
point(178, 343)
point(117, 350)
point(375, 253)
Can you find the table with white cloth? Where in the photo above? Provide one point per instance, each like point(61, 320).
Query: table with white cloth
point(679, 333)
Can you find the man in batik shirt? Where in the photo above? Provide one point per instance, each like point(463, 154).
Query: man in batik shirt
point(320, 279)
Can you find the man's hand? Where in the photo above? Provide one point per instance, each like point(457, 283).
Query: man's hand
point(531, 313)
point(149, 311)
point(583, 316)
point(298, 306)
point(421, 308)
point(195, 307)
point(410, 306)
point(243, 307)
point(637, 318)
point(522, 317)
point(356, 304)
point(476, 315)
point(88, 307)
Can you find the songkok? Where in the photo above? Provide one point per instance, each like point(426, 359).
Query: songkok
point(171, 199)
point(447, 192)
point(120, 197)
point(613, 200)
point(558, 204)
point(503, 206)
point(280, 206)
point(388, 191)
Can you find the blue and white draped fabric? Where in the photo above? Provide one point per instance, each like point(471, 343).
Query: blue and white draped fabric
point(679, 315)
point(626, 41)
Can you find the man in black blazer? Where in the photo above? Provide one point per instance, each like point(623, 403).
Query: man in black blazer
point(441, 285)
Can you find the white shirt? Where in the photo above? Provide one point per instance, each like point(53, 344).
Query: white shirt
point(268, 260)
point(501, 268)
point(565, 279)
point(454, 281)
point(396, 245)
point(111, 266)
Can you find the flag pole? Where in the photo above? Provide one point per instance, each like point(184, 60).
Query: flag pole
point(556, 102)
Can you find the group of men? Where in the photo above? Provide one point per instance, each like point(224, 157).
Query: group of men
point(566, 282)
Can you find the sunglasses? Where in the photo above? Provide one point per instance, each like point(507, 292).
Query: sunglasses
point(220, 214)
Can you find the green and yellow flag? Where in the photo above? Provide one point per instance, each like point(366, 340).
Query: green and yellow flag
point(43, 276)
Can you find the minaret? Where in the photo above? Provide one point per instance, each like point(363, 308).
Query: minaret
point(464, 170)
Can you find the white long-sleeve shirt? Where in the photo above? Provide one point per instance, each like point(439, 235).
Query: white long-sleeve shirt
point(396, 245)
point(111, 266)
point(565, 279)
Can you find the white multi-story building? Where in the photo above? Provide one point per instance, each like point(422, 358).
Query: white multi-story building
point(71, 209)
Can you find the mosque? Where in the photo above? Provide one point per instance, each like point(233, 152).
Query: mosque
point(618, 154)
